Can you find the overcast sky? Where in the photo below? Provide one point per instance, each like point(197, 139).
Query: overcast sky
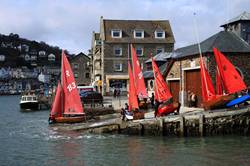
point(69, 23)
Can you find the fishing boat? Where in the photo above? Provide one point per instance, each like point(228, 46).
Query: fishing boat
point(228, 82)
point(67, 106)
point(140, 86)
point(163, 95)
point(29, 101)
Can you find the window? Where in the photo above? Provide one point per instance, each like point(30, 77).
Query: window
point(159, 34)
point(2, 57)
point(76, 65)
point(86, 75)
point(76, 75)
point(138, 34)
point(116, 33)
point(98, 42)
point(139, 51)
point(118, 51)
point(159, 50)
point(118, 67)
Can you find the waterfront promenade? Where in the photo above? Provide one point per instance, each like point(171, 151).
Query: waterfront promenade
point(119, 102)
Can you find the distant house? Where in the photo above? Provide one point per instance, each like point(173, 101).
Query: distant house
point(22, 60)
point(184, 74)
point(80, 66)
point(147, 36)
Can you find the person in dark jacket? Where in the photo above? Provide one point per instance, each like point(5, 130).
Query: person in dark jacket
point(152, 100)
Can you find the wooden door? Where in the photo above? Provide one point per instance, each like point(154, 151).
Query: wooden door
point(193, 83)
point(174, 86)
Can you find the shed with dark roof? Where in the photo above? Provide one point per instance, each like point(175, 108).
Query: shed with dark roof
point(186, 67)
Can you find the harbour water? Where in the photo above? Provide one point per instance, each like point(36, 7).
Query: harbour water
point(26, 139)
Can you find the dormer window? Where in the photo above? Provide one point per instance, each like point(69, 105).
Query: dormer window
point(160, 34)
point(116, 33)
point(138, 34)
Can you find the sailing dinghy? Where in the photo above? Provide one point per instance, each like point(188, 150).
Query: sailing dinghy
point(232, 81)
point(163, 94)
point(228, 81)
point(140, 86)
point(67, 106)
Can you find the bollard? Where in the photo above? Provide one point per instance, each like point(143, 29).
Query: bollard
point(201, 125)
point(182, 127)
point(161, 125)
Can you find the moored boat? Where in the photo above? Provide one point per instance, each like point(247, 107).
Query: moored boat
point(228, 82)
point(163, 96)
point(139, 82)
point(29, 101)
point(67, 106)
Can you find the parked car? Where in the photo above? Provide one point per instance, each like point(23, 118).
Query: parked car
point(91, 97)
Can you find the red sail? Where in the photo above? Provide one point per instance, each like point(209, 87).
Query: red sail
point(161, 88)
point(219, 89)
point(132, 98)
point(56, 110)
point(232, 81)
point(156, 94)
point(71, 98)
point(138, 76)
point(207, 86)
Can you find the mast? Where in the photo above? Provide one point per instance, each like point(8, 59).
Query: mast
point(198, 42)
point(61, 82)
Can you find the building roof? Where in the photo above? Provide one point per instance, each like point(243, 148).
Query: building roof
point(163, 69)
point(245, 16)
point(163, 56)
point(224, 41)
point(128, 27)
point(79, 55)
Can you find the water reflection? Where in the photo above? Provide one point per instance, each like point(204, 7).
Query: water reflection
point(67, 149)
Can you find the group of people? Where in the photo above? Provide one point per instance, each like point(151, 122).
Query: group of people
point(117, 92)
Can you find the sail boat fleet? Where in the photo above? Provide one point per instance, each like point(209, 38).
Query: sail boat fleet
point(67, 106)
point(228, 83)
point(137, 89)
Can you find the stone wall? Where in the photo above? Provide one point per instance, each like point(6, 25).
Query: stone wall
point(175, 71)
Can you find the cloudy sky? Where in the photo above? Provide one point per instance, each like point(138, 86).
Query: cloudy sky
point(70, 23)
